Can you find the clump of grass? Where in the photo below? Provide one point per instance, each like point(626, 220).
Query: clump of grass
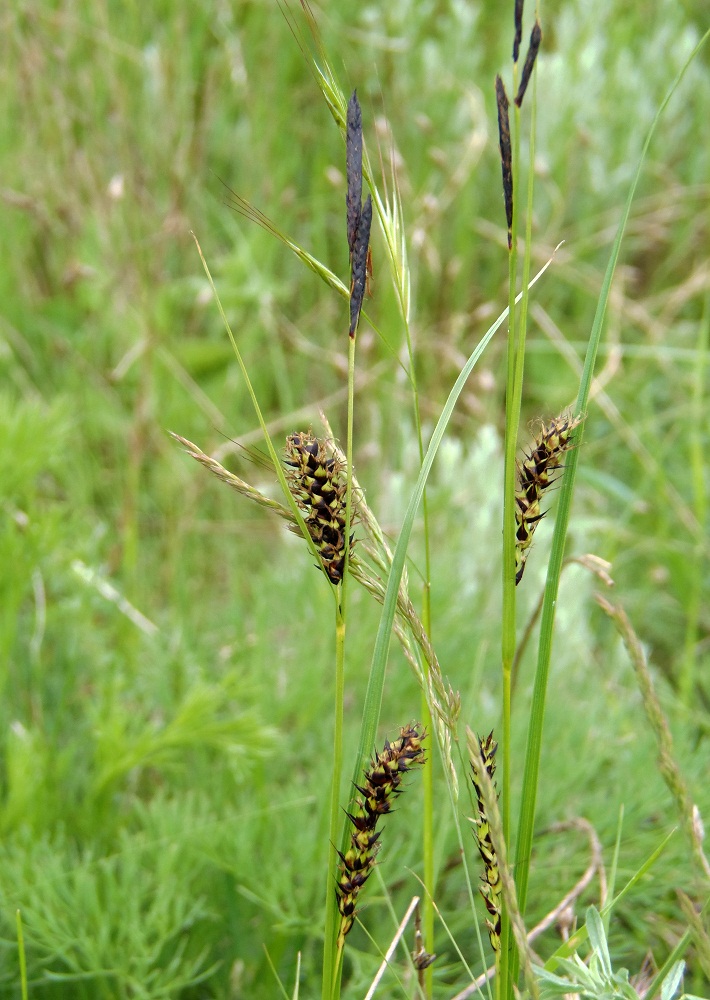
point(380, 786)
point(535, 475)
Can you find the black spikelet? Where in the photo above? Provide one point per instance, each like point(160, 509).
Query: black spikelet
point(318, 482)
point(506, 154)
point(353, 167)
point(534, 477)
point(535, 39)
point(359, 216)
point(380, 786)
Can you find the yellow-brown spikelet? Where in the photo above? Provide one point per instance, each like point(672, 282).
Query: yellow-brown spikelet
point(492, 887)
point(380, 786)
point(534, 477)
point(318, 482)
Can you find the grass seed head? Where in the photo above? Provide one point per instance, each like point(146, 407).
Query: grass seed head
point(518, 15)
point(353, 168)
point(491, 888)
point(360, 259)
point(358, 216)
point(535, 39)
point(381, 784)
point(318, 482)
point(535, 475)
point(506, 154)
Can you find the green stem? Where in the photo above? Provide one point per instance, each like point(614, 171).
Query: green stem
point(532, 755)
point(513, 396)
point(520, 362)
point(331, 959)
point(332, 956)
point(697, 431)
point(428, 776)
point(21, 953)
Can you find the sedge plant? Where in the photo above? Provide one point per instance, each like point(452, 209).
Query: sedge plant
point(326, 505)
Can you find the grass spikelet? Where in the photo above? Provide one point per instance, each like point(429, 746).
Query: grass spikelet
point(533, 48)
point(361, 259)
point(518, 29)
point(491, 887)
point(318, 483)
point(359, 216)
point(353, 166)
point(380, 785)
point(506, 154)
point(534, 477)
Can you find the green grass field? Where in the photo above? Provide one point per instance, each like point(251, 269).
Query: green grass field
point(167, 648)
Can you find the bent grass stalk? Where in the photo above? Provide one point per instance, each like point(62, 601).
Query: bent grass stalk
point(667, 764)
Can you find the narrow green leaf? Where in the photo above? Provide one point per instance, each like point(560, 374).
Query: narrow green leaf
point(537, 710)
point(672, 981)
point(597, 938)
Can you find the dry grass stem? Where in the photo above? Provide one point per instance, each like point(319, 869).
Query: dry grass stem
point(594, 868)
point(667, 765)
point(250, 492)
point(392, 948)
point(599, 567)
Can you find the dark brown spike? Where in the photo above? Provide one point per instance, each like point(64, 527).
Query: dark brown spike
point(536, 473)
point(506, 155)
point(518, 29)
point(380, 785)
point(319, 485)
point(353, 169)
point(533, 48)
point(359, 264)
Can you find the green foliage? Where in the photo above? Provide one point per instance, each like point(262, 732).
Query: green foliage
point(595, 979)
point(165, 652)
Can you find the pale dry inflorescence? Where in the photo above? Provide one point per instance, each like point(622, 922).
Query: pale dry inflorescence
point(535, 475)
point(381, 784)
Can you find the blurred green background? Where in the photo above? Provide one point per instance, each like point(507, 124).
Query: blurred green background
point(165, 650)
